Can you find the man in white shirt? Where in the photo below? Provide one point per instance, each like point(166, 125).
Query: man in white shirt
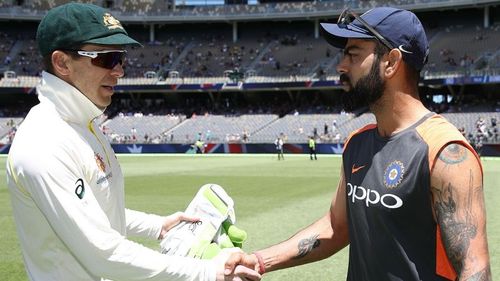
point(67, 190)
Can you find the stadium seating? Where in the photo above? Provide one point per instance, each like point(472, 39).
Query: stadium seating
point(43, 5)
point(286, 49)
point(460, 47)
point(8, 127)
point(275, 44)
point(219, 128)
point(298, 128)
point(476, 125)
point(139, 128)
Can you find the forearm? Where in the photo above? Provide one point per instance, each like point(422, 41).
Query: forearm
point(469, 253)
point(143, 224)
point(316, 242)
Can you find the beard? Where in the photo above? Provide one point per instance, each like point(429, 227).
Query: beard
point(367, 90)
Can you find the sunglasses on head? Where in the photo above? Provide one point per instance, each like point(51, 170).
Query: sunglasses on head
point(106, 59)
point(347, 16)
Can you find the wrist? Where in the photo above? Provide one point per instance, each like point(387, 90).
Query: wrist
point(262, 267)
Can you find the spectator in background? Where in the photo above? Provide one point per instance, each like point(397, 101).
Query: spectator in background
point(245, 136)
point(337, 138)
point(208, 135)
point(334, 126)
point(69, 205)
point(462, 131)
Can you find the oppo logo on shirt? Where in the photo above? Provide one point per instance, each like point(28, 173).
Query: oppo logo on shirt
point(80, 188)
point(372, 197)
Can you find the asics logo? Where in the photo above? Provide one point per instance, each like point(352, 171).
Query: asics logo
point(372, 197)
point(400, 47)
point(80, 188)
point(355, 169)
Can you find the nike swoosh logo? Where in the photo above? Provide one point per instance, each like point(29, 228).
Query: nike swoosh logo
point(356, 169)
point(403, 50)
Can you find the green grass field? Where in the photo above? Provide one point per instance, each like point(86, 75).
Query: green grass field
point(273, 200)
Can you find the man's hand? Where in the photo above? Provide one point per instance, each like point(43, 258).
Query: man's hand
point(234, 265)
point(173, 220)
point(240, 259)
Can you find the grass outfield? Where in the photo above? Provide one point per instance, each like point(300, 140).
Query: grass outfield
point(273, 200)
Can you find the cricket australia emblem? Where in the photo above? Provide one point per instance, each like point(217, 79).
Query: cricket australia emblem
point(110, 22)
point(100, 162)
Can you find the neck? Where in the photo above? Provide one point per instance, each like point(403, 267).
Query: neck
point(397, 110)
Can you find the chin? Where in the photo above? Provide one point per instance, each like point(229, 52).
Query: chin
point(104, 104)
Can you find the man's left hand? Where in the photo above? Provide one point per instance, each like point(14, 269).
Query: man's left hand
point(173, 220)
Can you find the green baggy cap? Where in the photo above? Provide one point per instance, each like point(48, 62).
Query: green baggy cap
point(76, 24)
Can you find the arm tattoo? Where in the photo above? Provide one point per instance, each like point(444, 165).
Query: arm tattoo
point(483, 275)
point(460, 227)
point(306, 245)
point(453, 154)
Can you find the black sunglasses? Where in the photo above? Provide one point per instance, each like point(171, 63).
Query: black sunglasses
point(106, 59)
point(346, 17)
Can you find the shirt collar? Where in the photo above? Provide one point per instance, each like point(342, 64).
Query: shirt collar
point(70, 103)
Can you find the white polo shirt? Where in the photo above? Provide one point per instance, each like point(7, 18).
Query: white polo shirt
point(67, 194)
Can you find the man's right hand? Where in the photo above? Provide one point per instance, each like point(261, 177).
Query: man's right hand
point(234, 265)
point(240, 260)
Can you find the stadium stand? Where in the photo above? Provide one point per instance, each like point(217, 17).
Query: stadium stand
point(463, 49)
point(8, 126)
point(274, 44)
point(219, 128)
point(193, 50)
point(139, 128)
point(6, 3)
point(297, 128)
point(477, 127)
point(43, 5)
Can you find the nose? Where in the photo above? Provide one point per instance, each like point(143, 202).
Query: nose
point(342, 65)
point(117, 71)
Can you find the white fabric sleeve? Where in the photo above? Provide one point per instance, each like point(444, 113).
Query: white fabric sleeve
point(143, 224)
point(49, 176)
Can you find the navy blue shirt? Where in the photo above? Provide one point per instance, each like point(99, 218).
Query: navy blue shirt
point(392, 232)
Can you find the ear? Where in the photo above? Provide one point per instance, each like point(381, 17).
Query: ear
point(393, 63)
point(61, 63)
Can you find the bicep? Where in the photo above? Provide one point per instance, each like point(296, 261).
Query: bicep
point(338, 214)
point(458, 205)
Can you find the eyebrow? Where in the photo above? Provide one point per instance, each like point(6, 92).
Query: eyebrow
point(350, 48)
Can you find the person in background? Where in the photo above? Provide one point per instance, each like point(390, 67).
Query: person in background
point(67, 188)
point(200, 146)
point(279, 147)
point(409, 203)
point(312, 148)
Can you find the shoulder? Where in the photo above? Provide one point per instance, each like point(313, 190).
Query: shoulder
point(458, 162)
point(43, 142)
point(437, 130)
point(443, 140)
point(358, 133)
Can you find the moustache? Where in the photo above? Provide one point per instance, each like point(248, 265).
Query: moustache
point(344, 78)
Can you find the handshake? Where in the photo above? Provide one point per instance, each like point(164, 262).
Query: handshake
point(214, 236)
